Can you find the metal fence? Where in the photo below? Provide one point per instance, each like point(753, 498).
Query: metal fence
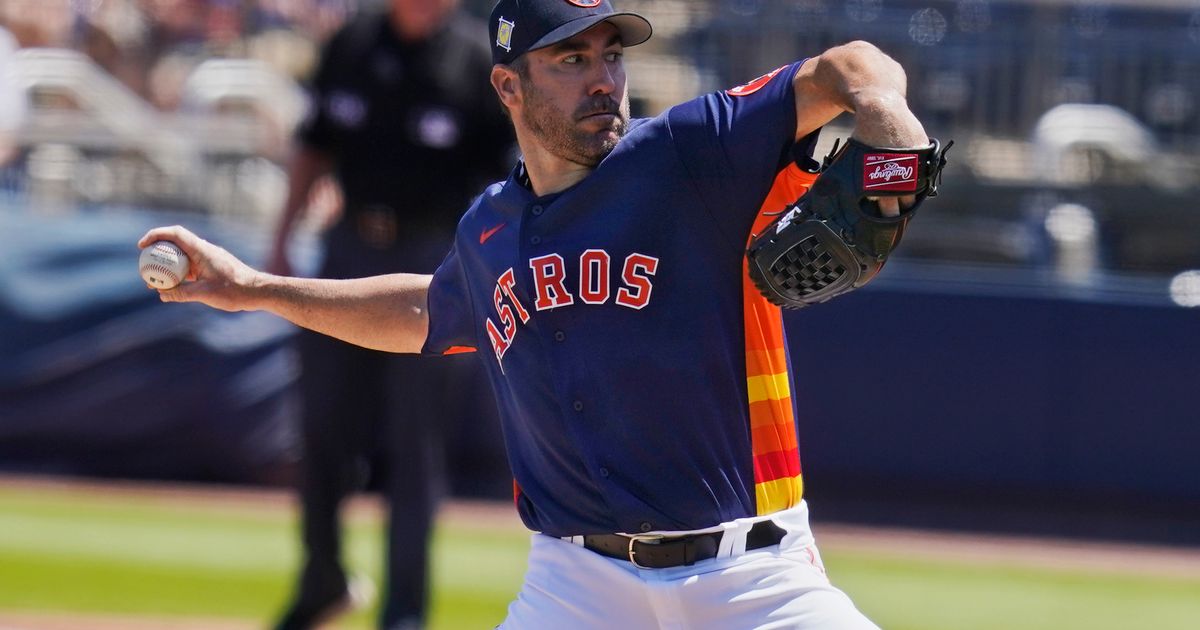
point(1065, 113)
point(995, 66)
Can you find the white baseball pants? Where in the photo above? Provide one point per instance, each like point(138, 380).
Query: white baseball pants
point(783, 587)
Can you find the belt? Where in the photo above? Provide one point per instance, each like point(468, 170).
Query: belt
point(660, 551)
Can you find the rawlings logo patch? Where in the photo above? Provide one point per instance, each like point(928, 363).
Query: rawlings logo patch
point(587, 4)
point(890, 171)
point(755, 85)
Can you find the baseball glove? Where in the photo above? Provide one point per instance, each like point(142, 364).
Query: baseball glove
point(833, 239)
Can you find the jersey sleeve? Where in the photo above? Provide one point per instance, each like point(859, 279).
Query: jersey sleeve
point(451, 322)
point(733, 143)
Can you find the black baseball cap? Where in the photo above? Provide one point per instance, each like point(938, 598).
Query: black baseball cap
point(519, 26)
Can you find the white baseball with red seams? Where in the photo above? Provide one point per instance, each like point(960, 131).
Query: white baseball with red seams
point(163, 265)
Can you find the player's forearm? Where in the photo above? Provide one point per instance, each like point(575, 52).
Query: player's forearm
point(381, 312)
point(861, 79)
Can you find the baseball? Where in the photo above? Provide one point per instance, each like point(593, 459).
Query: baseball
point(163, 265)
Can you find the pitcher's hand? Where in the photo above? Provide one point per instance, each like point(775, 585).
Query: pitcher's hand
point(216, 277)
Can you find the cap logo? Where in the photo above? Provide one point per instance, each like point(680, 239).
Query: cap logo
point(504, 34)
point(587, 4)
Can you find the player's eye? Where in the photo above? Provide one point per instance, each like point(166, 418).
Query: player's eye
point(613, 56)
point(572, 59)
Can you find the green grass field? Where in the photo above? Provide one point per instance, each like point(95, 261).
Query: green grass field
point(83, 552)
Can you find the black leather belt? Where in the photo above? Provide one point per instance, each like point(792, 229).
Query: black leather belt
point(656, 551)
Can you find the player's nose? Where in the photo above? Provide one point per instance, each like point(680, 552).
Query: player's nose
point(602, 79)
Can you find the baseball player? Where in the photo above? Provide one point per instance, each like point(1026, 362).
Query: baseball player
point(642, 380)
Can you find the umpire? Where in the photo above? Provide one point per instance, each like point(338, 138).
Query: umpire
point(403, 117)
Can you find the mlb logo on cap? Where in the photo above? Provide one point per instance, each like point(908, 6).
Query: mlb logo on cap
point(504, 33)
point(544, 23)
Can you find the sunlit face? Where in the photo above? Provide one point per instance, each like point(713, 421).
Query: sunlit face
point(573, 97)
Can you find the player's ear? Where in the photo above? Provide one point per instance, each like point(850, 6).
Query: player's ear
point(507, 84)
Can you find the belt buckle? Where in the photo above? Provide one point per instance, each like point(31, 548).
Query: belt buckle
point(646, 538)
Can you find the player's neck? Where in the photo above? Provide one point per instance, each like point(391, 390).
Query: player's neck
point(549, 174)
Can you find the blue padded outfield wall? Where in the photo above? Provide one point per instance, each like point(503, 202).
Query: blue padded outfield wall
point(990, 387)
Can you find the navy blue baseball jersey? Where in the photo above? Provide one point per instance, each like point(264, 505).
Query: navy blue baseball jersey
point(642, 383)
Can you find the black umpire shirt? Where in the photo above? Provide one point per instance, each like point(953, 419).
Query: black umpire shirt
point(415, 132)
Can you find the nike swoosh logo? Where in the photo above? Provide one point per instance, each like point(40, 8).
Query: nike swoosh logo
point(488, 233)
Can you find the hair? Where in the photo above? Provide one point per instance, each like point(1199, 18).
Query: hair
point(521, 66)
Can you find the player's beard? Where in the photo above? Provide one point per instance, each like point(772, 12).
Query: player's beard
point(561, 133)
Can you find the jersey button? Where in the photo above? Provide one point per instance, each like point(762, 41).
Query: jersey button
point(560, 335)
point(646, 526)
point(537, 211)
point(577, 405)
point(604, 472)
point(536, 240)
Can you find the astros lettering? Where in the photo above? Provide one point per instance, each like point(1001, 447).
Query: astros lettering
point(548, 275)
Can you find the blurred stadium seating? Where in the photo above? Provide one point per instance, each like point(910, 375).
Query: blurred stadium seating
point(1071, 194)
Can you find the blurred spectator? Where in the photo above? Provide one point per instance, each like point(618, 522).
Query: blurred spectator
point(12, 100)
point(288, 52)
point(37, 22)
point(312, 19)
point(166, 78)
point(145, 43)
point(402, 114)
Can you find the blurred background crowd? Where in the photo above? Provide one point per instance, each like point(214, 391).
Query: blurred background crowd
point(190, 103)
point(1073, 183)
point(151, 46)
point(1040, 325)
